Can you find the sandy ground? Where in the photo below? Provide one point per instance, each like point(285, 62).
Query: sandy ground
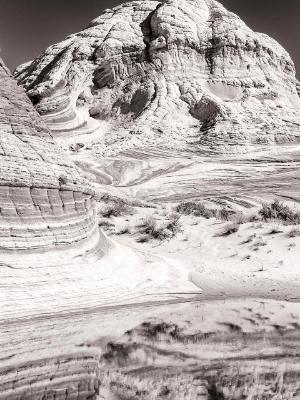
point(260, 260)
point(246, 282)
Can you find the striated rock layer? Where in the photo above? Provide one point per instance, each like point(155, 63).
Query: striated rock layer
point(183, 73)
point(44, 202)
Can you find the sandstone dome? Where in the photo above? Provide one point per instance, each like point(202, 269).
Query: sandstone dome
point(178, 74)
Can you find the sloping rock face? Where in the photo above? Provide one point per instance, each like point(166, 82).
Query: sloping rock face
point(184, 74)
point(44, 202)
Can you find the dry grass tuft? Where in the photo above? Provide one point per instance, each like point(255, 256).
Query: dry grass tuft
point(295, 232)
point(150, 228)
point(280, 212)
point(275, 230)
point(114, 209)
point(200, 210)
point(229, 229)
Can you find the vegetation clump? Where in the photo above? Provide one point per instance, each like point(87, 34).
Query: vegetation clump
point(150, 228)
point(295, 232)
point(230, 229)
point(114, 209)
point(200, 210)
point(281, 212)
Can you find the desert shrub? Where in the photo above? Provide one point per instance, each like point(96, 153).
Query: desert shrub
point(200, 210)
point(275, 230)
point(123, 230)
point(114, 210)
point(147, 226)
point(224, 214)
point(295, 232)
point(152, 229)
point(105, 224)
point(280, 211)
point(117, 352)
point(196, 209)
point(143, 239)
point(173, 224)
point(229, 229)
point(158, 330)
point(240, 218)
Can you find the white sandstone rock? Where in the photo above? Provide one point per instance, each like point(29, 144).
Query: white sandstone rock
point(185, 74)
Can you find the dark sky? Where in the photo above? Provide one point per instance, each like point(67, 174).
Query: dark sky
point(27, 27)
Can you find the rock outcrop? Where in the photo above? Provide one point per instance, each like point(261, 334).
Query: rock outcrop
point(45, 204)
point(184, 74)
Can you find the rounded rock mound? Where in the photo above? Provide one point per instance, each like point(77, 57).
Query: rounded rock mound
point(185, 74)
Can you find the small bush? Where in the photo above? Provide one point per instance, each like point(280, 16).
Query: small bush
point(147, 226)
point(143, 239)
point(200, 210)
point(193, 208)
point(224, 214)
point(123, 230)
point(150, 228)
point(105, 224)
point(114, 210)
point(240, 218)
point(279, 211)
point(275, 230)
point(230, 229)
point(196, 209)
point(173, 224)
point(161, 330)
point(295, 232)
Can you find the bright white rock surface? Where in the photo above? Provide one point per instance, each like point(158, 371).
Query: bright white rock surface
point(179, 74)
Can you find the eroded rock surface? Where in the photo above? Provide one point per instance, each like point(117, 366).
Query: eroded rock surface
point(178, 74)
point(44, 201)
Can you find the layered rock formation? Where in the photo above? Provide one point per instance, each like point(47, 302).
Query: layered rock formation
point(186, 74)
point(44, 202)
